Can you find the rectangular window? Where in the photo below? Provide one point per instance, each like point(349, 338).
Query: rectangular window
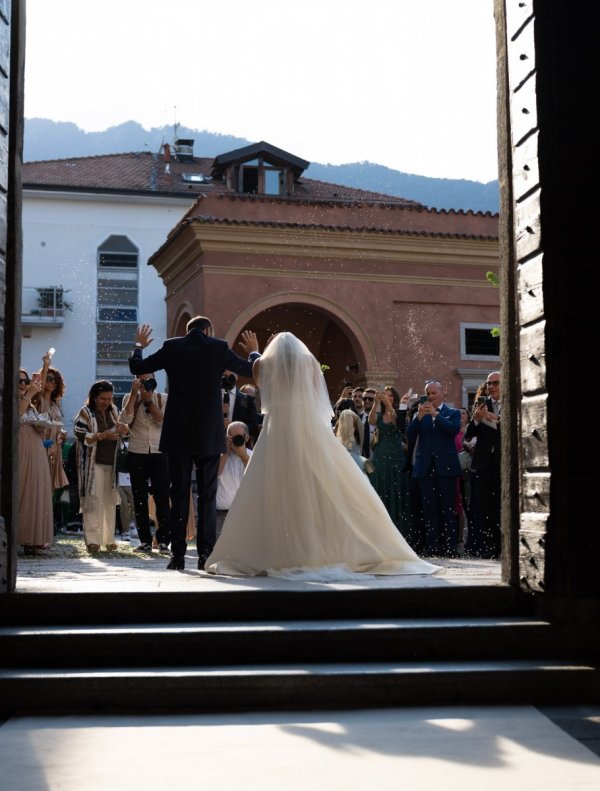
point(117, 314)
point(478, 343)
point(273, 182)
point(121, 260)
point(249, 180)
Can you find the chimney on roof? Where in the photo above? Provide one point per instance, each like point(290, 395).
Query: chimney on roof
point(184, 150)
point(167, 152)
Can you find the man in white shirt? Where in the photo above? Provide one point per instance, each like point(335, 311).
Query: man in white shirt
point(143, 411)
point(231, 468)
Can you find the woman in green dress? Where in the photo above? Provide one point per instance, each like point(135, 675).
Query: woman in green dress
point(388, 458)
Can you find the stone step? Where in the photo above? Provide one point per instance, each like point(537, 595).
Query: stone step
point(302, 685)
point(324, 640)
point(279, 605)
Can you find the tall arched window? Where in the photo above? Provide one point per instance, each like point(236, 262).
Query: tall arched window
point(117, 314)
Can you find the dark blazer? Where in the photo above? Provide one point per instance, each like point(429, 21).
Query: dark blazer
point(435, 441)
point(486, 453)
point(193, 422)
point(244, 409)
point(366, 445)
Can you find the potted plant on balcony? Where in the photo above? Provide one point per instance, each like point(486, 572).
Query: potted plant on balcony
point(51, 301)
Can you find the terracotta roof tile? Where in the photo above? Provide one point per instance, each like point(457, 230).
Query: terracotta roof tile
point(135, 172)
point(144, 172)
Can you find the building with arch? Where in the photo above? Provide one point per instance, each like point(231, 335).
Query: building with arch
point(382, 290)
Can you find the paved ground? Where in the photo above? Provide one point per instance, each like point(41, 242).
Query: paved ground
point(424, 749)
point(69, 568)
point(467, 748)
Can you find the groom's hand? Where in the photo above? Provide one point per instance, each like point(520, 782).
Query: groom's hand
point(142, 335)
point(249, 342)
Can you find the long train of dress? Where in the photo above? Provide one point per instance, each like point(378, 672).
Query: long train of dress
point(305, 508)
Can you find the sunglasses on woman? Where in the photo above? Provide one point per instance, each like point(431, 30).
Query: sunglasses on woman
point(24, 381)
point(51, 379)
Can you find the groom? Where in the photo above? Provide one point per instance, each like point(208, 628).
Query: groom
point(192, 433)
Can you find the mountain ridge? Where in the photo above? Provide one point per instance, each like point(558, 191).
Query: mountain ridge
point(45, 139)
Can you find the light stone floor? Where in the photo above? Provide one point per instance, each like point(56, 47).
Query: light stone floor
point(126, 572)
point(414, 749)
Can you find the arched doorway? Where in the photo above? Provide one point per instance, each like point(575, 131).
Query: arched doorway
point(328, 337)
point(181, 322)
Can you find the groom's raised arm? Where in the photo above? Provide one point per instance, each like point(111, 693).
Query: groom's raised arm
point(155, 362)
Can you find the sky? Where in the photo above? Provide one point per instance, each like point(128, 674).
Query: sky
point(402, 83)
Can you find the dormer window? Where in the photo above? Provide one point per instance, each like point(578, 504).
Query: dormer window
point(259, 169)
point(261, 177)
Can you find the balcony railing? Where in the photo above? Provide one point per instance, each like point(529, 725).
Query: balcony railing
point(44, 305)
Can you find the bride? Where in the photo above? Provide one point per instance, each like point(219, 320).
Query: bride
point(303, 506)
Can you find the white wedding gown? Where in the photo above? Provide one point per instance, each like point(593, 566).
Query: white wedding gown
point(304, 508)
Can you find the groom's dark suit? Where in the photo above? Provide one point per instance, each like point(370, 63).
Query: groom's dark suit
point(193, 433)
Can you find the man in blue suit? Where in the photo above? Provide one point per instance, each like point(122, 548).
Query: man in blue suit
point(436, 469)
point(193, 434)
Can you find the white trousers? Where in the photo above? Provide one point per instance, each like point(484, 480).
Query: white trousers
point(99, 520)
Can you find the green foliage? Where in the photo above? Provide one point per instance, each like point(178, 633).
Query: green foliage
point(493, 278)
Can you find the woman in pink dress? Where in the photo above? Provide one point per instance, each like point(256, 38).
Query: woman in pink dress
point(35, 531)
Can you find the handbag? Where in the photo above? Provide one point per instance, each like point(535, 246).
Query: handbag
point(465, 459)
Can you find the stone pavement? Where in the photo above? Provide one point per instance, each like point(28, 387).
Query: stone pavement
point(424, 749)
point(69, 569)
point(466, 748)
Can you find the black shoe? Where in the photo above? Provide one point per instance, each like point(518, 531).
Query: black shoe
point(202, 561)
point(176, 564)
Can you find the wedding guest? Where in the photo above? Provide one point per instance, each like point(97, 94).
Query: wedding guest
point(126, 504)
point(369, 394)
point(415, 530)
point(97, 430)
point(35, 531)
point(387, 456)
point(143, 412)
point(484, 528)
point(357, 397)
point(49, 401)
point(436, 467)
point(349, 430)
point(232, 467)
point(460, 483)
point(241, 405)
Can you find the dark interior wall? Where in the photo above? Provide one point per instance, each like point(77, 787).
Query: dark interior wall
point(566, 60)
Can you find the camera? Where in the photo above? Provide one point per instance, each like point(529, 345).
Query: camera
point(424, 399)
point(481, 401)
point(228, 382)
point(238, 440)
point(149, 385)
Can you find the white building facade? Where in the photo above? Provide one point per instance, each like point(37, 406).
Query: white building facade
point(86, 283)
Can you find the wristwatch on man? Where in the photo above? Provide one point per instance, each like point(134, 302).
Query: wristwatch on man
point(138, 345)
